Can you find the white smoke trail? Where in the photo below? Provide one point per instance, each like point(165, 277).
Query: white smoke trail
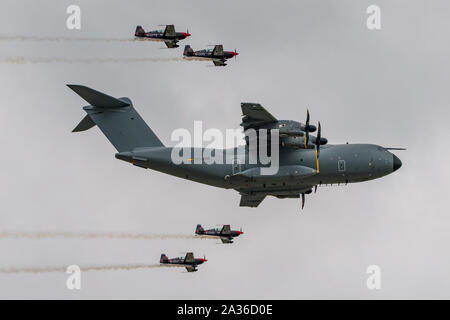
point(36, 270)
point(86, 236)
point(58, 39)
point(35, 60)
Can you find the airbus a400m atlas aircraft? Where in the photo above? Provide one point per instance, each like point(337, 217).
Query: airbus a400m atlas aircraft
point(305, 161)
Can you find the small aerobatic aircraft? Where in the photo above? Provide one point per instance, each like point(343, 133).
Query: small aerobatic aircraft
point(189, 262)
point(225, 234)
point(217, 55)
point(296, 173)
point(168, 35)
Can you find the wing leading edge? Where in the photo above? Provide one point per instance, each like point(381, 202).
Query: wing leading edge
point(255, 114)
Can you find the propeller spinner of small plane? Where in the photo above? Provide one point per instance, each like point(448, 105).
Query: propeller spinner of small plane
point(217, 55)
point(225, 234)
point(168, 35)
point(299, 152)
point(189, 262)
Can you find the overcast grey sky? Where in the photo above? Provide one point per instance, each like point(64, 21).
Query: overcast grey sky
point(388, 87)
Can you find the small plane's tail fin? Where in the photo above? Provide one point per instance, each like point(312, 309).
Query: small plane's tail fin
point(139, 31)
point(188, 51)
point(163, 258)
point(117, 119)
point(199, 229)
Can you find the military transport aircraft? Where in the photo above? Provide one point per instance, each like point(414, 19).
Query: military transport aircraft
point(298, 172)
point(189, 262)
point(217, 55)
point(225, 234)
point(169, 36)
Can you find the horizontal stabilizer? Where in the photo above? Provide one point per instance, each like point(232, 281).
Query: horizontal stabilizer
point(96, 98)
point(84, 124)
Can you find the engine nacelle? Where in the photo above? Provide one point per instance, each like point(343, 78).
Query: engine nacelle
point(296, 142)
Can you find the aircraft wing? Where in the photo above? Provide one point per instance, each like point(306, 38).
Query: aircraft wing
point(171, 44)
point(226, 240)
point(219, 63)
point(255, 114)
point(189, 258)
point(251, 201)
point(169, 32)
point(191, 268)
point(226, 230)
point(218, 51)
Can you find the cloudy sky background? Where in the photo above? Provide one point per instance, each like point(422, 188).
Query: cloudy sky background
point(388, 87)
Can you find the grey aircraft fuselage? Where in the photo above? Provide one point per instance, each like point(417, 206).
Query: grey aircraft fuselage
point(302, 166)
point(363, 162)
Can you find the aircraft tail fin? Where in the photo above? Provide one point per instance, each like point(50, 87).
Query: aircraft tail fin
point(117, 119)
point(139, 31)
point(188, 51)
point(163, 258)
point(199, 229)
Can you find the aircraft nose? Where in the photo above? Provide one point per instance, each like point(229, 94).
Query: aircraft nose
point(397, 163)
point(186, 34)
